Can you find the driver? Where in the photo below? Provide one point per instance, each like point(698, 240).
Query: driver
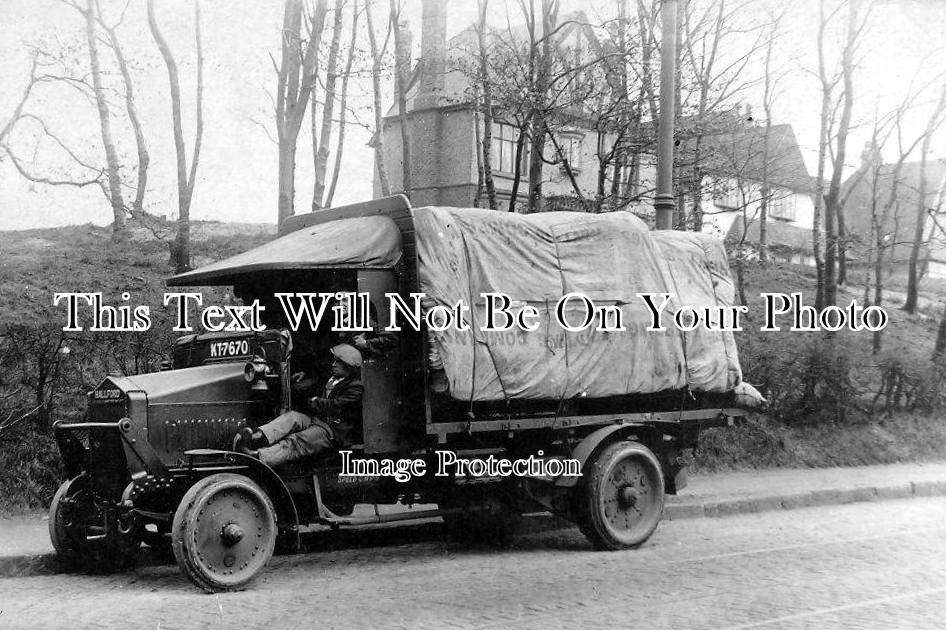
point(333, 419)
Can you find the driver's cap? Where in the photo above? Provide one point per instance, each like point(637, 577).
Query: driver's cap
point(347, 354)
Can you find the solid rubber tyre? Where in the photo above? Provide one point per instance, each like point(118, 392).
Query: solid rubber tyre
point(621, 499)
point(224, 532)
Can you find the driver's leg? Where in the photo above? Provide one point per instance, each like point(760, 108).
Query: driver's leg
point(285, 424)
point(311, 441)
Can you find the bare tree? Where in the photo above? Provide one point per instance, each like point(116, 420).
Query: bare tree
point(913, 281)
point(180, 249)
point(485, 86)
point(540, 68)
point(832, 202)
point(824, 138)
point(111, 155)
point(770, 79)
point(295, 80)
point(58, 66)
point(402, 63)
point(144, 159)
point(377, 54)
point(885, 208)
point(321, 139)
point(718, 76)
point(940, 345)
point(343, 104)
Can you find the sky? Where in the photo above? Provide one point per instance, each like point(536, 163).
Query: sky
point(236, 179)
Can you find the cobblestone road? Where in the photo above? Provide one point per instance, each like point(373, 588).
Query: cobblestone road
point(870, 565)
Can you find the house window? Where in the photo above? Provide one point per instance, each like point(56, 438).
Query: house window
point(503, 149)
point(782, 206)
point(571, 151)
point(628, 180)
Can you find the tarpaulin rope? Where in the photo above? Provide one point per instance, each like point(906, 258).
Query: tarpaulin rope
point(489, 350)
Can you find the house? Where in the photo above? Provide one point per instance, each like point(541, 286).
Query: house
point(446, 131)
point(871, 193)
point(738, 172)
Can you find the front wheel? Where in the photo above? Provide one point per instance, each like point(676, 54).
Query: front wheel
point(224, 532)
point(82, 534)
point(622, 498)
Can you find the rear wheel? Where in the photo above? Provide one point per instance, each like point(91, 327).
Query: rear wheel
point(83, 537)
point(224, 532)
point(619, 504)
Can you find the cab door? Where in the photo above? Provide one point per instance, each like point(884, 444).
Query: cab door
point(382, 411)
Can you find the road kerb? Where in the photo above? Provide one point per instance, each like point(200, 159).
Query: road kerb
point(815, 498)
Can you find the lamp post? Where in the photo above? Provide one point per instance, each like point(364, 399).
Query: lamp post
point(663, 201)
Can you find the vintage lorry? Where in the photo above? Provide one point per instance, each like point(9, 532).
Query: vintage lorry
point(153, 461)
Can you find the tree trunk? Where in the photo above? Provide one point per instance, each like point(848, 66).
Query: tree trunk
point(144, 158)
point(913, 278)
point(402, 69)
point(819, 204)
point(379, 162)
point(878, 288)
point(477, 138)
point(833, 198)
point(295, 80)
point(517, 169)
point(543, 68)
point(328, 110)
point(180, 250)
point(111, 156)
point(536, 148)
point(940, 347)
point(287, 179)
point(767, 97)
point(487, 109)
point(343, 103)
point(287, 78)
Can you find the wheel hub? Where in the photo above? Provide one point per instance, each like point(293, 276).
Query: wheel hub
point(231, 534)
point(627, 497)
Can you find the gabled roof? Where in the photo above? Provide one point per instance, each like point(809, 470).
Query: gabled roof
point(739, 152)
point(909, 186)
point(462, 50)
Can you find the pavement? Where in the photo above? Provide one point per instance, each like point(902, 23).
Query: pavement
point(25, 548)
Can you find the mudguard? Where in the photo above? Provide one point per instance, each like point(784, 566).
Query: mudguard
point(286, 513)
point(594, 442)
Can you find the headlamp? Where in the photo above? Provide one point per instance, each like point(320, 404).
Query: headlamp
point(256, 372)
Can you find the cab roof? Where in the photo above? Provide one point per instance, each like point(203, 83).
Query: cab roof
point(365, 242)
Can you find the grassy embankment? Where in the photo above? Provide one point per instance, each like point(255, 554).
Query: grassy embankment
point(34, 365)
point(831, 405)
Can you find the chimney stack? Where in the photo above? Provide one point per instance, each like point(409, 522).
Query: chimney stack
point(433, 53)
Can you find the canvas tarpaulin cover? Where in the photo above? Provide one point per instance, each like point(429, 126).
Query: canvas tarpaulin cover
point(536, 260)
point(699, 275)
